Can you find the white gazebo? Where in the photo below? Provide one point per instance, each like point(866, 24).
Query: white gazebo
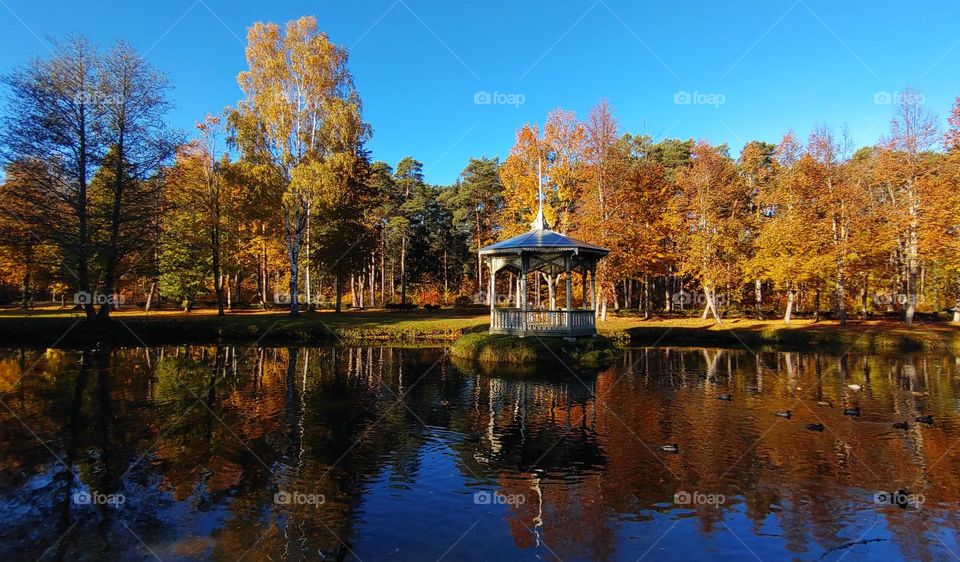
point(550, 256)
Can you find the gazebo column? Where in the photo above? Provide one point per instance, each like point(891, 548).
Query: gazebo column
point(524, 268)
point(583, 279)
point(593, 286)
point(492, 291)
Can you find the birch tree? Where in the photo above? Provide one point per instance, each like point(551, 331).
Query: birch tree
point(902, 162)
point(297, 90)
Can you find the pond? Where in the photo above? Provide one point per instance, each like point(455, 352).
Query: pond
point(391, 453)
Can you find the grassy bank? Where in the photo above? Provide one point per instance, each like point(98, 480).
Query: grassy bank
point(499, 349)
point(45, 327)
point(800, 335)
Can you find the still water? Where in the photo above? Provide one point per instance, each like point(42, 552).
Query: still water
point(380, 453)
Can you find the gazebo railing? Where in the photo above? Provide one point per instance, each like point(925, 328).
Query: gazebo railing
point(543, 322)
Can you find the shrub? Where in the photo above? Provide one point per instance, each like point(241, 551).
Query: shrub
point(428, 295)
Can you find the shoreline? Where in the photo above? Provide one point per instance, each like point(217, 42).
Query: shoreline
point(43, 329)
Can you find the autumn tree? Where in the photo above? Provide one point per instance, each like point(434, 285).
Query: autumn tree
point(197, 185)
point(52, 132)
point(605, 164)
point(903, 161)
point(133, 97)
point(711, 206)
point(301, 108)
point(758, 169)
point(791, 243)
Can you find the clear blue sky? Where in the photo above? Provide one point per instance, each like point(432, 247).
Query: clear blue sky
point(775, 65)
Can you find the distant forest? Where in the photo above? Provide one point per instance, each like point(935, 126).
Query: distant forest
point(277, 203)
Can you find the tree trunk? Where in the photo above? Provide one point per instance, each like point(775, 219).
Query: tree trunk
point(864, 295)
point(113, 247)
point(841, 298)
point(758, 298)
point(217, 271)
point(338, 289)
point(294, 254)
point(647, 312)
point(308, 290)
point(956, 305)
point(236, 293)
point(816, 305)
point(83, 234)
point(373, 279)
point(403, 270)
point(25, 291)
point(791, 294)
point(551, 288)
point(153, 286)
point(711, 295)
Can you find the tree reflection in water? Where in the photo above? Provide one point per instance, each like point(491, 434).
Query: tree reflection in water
point(396, 452)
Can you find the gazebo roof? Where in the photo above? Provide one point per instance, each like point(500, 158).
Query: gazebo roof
point(543, 240)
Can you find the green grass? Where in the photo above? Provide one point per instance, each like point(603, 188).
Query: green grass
point(49, 326)
point(800, 335)
point(43, 328)
point(501, 349)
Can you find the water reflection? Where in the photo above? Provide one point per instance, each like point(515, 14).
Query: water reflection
point(231, 453)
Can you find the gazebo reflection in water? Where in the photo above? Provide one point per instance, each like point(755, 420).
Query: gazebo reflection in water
point(550, 256)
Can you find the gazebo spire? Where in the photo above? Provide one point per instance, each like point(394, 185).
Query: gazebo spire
point(539, 222)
